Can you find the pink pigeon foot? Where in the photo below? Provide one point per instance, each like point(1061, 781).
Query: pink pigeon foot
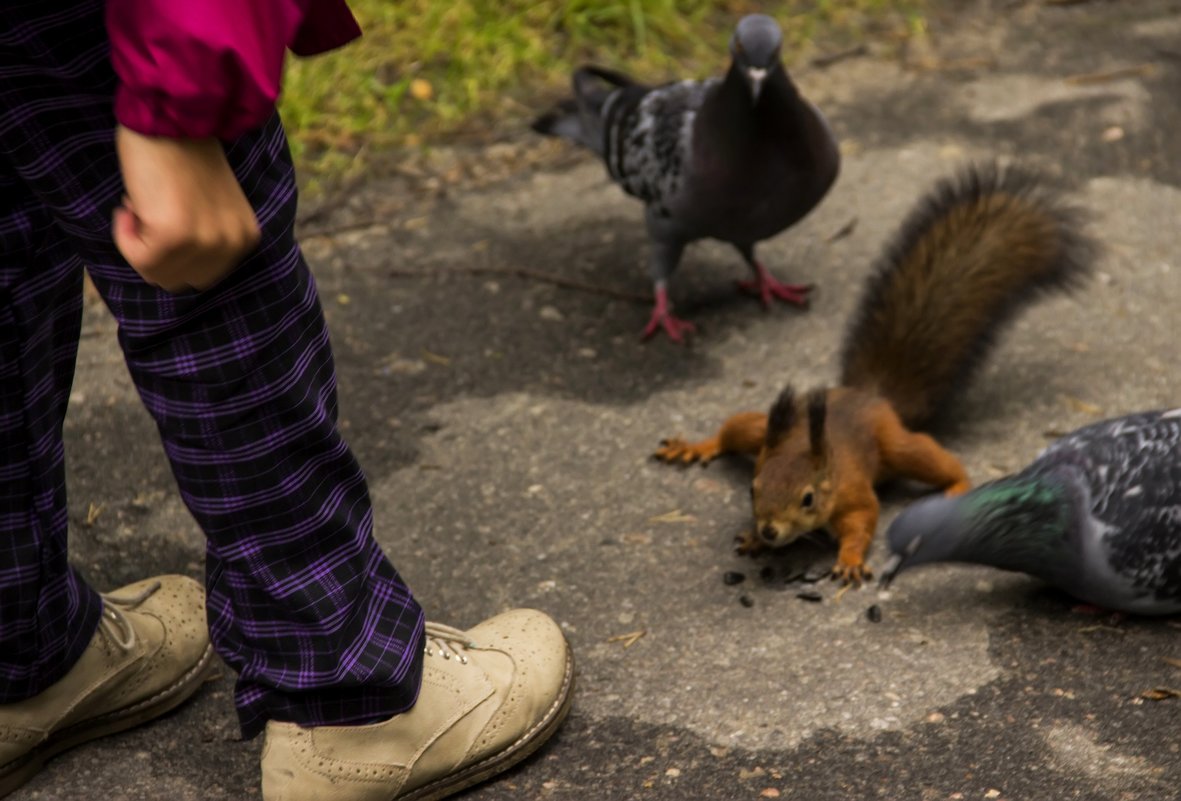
point(766, 287)
point(663, 319)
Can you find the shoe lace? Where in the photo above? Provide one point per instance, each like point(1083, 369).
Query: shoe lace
point(114, 623)
point(448, 641)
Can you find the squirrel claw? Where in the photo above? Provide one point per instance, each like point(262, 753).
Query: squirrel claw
point(678, 451)
point(851, 574)
point(748, 544)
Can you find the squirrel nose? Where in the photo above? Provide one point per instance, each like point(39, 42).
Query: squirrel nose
point(767, 533)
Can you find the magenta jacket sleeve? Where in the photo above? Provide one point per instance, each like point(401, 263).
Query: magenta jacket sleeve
point(201, 68)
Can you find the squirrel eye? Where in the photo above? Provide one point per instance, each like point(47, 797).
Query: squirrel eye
point(807, 500)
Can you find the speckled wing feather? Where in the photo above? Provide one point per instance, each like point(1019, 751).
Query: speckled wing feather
point(648, 138)
point(1133, 469)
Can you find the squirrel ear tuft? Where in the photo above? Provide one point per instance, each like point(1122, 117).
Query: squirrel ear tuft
point(782, 416)
point(817, 402)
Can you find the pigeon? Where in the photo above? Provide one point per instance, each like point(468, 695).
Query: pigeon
point(1097, 514)
point(738, 158)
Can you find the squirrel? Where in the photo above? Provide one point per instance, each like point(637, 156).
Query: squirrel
point(976, 250)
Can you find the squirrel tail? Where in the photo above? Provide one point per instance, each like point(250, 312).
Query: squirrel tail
point(977, 249)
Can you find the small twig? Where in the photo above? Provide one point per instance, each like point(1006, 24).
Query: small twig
point(435, 358)
point(628, 639)
point(533, 275)
point(828, 59)
point(675, 516)
point(331, 231)
point(841, 592)
point(953, 64)
point(843, 231)
point(1089, 78)
point(1101, 627)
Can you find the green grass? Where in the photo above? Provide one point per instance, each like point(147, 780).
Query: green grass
point(475, 63)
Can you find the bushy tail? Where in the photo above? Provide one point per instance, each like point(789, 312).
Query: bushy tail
point(580, 118)
point(976, 250)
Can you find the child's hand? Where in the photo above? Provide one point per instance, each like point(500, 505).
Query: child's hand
point(185, 222)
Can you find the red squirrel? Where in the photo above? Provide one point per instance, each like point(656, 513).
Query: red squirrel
point(977, 249)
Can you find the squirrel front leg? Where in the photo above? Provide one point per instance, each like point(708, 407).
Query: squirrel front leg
point(853, 527)
point(745, 432)
point(913, 455)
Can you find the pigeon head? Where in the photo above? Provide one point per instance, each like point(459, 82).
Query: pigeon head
point(755, 49)
point(923, 532)
point(1015, 523)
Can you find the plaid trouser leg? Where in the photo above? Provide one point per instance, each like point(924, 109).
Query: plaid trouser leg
point(47, 613)
point(240, 380)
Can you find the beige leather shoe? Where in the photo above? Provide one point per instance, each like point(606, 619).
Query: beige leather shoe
point(150, 653)
point(490, 697)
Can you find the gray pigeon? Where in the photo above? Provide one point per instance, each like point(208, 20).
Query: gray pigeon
point(1097, 514)
point(738, 159)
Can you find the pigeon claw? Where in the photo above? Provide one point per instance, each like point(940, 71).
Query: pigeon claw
point(675, 327)
point(768, 288)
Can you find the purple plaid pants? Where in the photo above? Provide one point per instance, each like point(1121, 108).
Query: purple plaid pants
point(302, 603)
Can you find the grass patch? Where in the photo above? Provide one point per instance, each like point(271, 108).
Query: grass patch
point(429, 70)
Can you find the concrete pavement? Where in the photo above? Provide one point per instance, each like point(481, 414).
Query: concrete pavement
point(506, 425)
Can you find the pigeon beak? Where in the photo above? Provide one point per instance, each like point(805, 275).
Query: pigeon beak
point(895, 562)
point(756, 76)
point(890, 571)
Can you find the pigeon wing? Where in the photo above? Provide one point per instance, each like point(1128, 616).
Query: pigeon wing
point(1132, 467)
point(648, 139)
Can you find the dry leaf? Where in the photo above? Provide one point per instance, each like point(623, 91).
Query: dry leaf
point(421, 89)
point(1160, 694)
point(769, 792)
point(1080, 405)
point(1112, 134)
point(435, 358)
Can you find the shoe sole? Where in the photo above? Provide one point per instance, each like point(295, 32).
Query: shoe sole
point(501, 761)
point(20, 770)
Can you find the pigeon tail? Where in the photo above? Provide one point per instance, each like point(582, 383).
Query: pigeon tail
point(580, 118)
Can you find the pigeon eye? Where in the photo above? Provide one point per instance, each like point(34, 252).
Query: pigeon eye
point(806, 502)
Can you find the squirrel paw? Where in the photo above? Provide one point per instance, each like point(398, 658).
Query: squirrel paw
point(959, 488)
point(851, 574)
point(676, 451)
point(749, 544)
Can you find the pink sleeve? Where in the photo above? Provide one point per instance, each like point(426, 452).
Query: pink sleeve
point(202, 68)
